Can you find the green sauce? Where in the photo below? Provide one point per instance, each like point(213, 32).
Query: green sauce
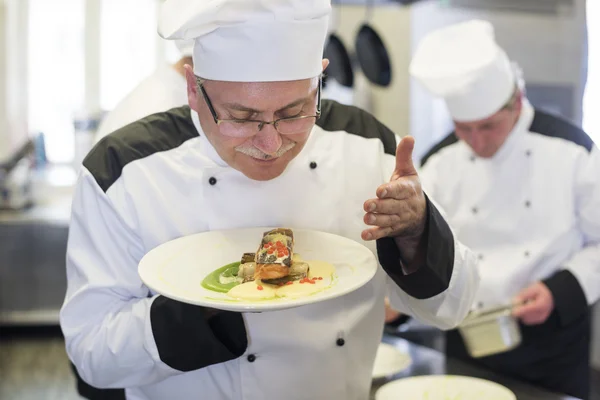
point(212, 282)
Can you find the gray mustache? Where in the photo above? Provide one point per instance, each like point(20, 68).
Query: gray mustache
point(256, 153)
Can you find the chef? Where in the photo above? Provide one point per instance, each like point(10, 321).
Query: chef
point(255, 147)
point(521, 187)
point(162, 90)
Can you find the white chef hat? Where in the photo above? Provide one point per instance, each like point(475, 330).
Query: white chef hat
point(250, 40)
point(185, 47)
point(463, 64)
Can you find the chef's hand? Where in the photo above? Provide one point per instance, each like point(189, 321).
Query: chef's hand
point(390, 314)
point(399, 211)
point(538, 306)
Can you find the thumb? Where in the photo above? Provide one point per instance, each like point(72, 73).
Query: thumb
point(404, 162)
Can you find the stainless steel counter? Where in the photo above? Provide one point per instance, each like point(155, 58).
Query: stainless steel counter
point(32, 251)
point(427, 361)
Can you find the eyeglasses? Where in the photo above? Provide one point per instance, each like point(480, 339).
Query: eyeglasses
point(242, 128)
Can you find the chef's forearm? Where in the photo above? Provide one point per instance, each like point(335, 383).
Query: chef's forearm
point(427, 294)
point(421, 267)
point(413, 252)
point(569, 299)
point(577, 285)
point(190, 337)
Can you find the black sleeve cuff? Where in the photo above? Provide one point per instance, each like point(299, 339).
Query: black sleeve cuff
point(190, 337)
point(430, 279)
point(570, 302)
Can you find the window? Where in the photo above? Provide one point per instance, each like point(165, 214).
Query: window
point(128, 48)
point(56, 69)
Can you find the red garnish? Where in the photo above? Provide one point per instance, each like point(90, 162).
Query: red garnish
point(289, 282)
point(259, 287)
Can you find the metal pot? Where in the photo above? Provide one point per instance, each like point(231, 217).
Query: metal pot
point(491, 331)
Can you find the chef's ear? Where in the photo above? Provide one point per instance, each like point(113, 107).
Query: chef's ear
point(325, 63)
point(192, 87)
point(519, 101)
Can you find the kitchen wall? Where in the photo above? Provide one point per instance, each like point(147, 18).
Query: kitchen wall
point(392, 21)
point(13, 77)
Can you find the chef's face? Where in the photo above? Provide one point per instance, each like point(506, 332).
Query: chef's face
point(266, 153)
point(486, 136)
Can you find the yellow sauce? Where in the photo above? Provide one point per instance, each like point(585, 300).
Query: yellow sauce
point(250, 291)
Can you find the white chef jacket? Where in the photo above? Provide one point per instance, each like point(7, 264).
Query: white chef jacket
point(157, 180)
point(164, 89)
point(531, 212)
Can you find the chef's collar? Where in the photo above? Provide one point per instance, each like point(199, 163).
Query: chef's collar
point(516, 135)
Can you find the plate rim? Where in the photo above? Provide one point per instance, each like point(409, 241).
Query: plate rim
point(404, 353)
point(433, 376)
point(225, 305)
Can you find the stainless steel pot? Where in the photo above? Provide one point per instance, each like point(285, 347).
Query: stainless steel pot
point(490, 331)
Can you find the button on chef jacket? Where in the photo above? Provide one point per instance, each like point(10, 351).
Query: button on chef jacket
point(159, 179)
point(531, 212)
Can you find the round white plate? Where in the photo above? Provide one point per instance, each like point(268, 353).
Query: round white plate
point(443, 387)
point(390, 361)
point(176, 269)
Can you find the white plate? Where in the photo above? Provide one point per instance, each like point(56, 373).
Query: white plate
point(390, 361)
point(176, 269)
point(443, 387)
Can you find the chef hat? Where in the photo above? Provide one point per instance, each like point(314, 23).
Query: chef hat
point(185, 47)
point(463, 64)
point(250, 40)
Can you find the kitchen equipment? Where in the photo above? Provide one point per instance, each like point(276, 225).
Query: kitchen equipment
point(389, 361)
point(15, 179)
point(490, 331)
point(441, 387)
point(372, 54)
point(340, 65)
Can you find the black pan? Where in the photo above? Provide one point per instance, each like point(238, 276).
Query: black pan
point(372, 54)
point(340, 66)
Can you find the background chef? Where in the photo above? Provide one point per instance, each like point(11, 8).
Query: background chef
point(162, 90)
point(522, 189)
point(187, 171)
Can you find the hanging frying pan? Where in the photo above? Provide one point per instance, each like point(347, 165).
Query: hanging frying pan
point(371, 53)
point(340, 65)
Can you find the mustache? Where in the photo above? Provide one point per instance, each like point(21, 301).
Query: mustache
point(256, 153)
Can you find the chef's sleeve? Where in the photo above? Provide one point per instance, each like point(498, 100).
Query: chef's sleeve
point(117, 334)
point(577, 285)
point(442, 290)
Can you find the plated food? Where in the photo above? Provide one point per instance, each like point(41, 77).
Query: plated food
point(218, 268)
point(274, 270)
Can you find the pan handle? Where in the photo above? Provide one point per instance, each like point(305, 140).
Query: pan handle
point(369, 11)
point(505, 307)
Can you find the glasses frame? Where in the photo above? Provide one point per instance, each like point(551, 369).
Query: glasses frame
point(261, 123)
